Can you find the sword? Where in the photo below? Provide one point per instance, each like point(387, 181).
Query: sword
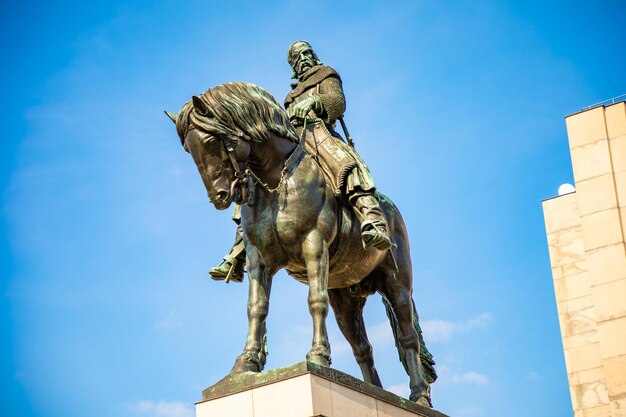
point(345, 131)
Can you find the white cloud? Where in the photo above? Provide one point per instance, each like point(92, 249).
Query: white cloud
point(381, 334)
point(162, 409)
point(171, 321)
point(448, 375)
point(477, 321)
point(443, 330)
point(437, 330)
point(470, 377)
point(400, 389)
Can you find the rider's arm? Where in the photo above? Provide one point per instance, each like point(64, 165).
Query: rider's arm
point(333, 102)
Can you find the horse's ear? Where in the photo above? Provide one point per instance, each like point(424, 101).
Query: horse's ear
point(201, 107)
point(172, 116)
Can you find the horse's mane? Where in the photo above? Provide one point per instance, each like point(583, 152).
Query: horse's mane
point(238, 110)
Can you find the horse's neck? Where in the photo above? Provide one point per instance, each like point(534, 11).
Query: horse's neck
point(268, 158)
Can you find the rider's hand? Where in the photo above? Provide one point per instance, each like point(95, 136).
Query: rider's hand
point(300, 110)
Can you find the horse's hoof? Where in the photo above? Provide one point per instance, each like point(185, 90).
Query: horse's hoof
point(318, 360)
point(319, 356)
point(423, 400)
point(246, 362)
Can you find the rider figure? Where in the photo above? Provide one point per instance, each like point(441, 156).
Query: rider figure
point(318, 93)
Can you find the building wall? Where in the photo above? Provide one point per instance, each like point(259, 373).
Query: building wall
point(586, 233)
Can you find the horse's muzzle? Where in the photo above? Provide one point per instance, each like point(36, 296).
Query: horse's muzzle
point(221, 199)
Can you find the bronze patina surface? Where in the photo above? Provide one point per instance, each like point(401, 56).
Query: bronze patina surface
point(318, 93)
point(308, 205)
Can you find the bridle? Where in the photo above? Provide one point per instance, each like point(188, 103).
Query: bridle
point(242, 175)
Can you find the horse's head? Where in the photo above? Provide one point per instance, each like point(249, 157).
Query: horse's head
point(220, 160)
point(218, 129)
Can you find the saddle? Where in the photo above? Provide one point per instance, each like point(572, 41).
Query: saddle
point(334, 156)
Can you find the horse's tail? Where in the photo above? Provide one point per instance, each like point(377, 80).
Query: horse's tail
point(426, 358)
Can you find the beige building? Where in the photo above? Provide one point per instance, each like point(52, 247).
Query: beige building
point(586, 231)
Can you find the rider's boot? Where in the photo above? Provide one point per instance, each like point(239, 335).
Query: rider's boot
point(373, 223)
point(231, 267)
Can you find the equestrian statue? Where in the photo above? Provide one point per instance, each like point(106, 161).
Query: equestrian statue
point(305, 202)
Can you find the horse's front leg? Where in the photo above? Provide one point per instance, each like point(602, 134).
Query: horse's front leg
point(315, 254)
point(260, 278)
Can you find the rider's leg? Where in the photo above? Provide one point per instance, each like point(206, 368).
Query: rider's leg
point(231, 267)
point(373, 223)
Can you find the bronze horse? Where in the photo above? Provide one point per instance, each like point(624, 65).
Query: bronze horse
point(247, 152)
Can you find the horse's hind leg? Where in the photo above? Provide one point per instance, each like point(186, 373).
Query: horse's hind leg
point(396, 288)
point(253, 356)
point(349, 314)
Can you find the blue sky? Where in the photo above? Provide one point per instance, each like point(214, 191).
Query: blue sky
point(107, 235)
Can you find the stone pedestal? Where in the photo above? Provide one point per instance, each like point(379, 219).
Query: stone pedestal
point(303, 390)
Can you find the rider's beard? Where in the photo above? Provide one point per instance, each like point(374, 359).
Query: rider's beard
point(306, 65)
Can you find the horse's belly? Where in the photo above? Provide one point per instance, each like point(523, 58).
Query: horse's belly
point(347, 268)
point(351, 262)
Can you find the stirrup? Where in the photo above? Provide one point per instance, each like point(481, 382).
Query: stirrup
point(374, 235)
point(230, 269)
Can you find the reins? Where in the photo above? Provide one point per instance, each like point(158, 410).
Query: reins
point(242, 176)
